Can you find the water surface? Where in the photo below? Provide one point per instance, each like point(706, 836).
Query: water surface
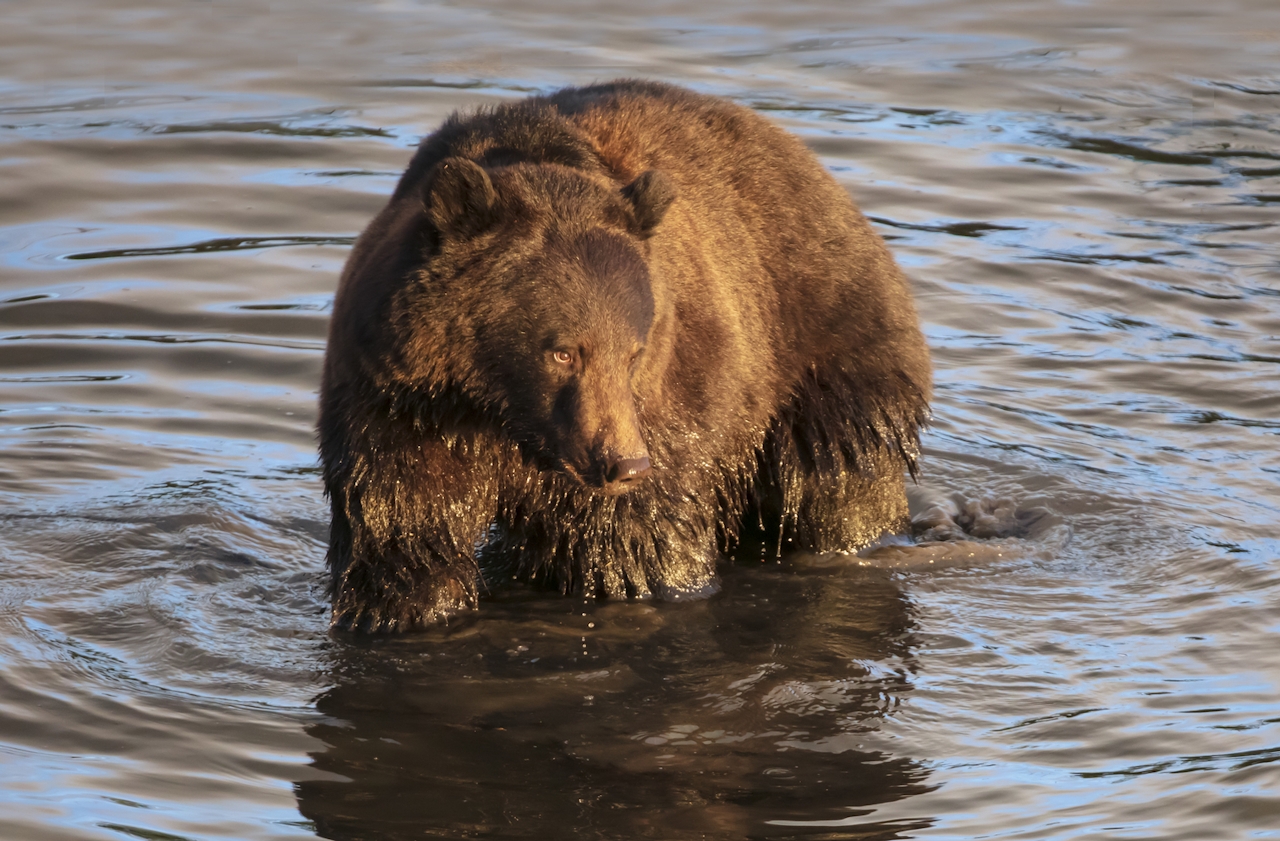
point(1087, 198)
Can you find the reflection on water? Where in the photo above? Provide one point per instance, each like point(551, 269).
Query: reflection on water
point(634, 720)
point(1085, 197)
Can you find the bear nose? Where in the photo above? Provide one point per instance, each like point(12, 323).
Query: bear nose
point(628, 470)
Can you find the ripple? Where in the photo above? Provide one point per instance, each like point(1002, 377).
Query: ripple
point(213, 246)
point(959, 229)
point(268, 127)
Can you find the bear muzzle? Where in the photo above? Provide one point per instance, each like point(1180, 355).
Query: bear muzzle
point(625, 473)
point(608, 470)
point(600, 441)
point(616, 475)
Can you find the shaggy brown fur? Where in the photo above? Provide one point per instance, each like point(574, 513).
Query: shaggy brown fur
point(593, 333)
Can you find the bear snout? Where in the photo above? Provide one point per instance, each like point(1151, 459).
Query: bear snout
point(597, 434)
point(624, 473)
point(606, 469)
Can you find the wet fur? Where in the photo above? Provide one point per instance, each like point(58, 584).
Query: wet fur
point(782, 387)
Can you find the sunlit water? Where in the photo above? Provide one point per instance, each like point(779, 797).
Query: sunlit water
point(1087, 197)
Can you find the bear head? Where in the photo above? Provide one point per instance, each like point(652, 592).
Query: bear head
point(537, 304)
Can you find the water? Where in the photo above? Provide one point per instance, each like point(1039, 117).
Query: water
point(1085, 195)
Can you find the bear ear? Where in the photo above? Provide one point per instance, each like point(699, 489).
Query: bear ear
point(650, 195)
point(459, 197)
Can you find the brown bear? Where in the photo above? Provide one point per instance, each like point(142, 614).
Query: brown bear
point(590, 336)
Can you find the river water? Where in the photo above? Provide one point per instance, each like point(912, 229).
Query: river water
point(1087, 197)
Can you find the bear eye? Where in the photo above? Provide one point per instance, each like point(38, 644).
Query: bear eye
point(564, 357)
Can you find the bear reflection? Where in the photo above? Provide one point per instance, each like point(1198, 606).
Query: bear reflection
point(738, 716)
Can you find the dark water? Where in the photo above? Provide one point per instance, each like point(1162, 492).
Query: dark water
point(1087, 196)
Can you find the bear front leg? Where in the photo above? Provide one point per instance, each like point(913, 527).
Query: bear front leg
point(835, 507)
point(848, 510)
point(407, 516)
point(657, 541)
